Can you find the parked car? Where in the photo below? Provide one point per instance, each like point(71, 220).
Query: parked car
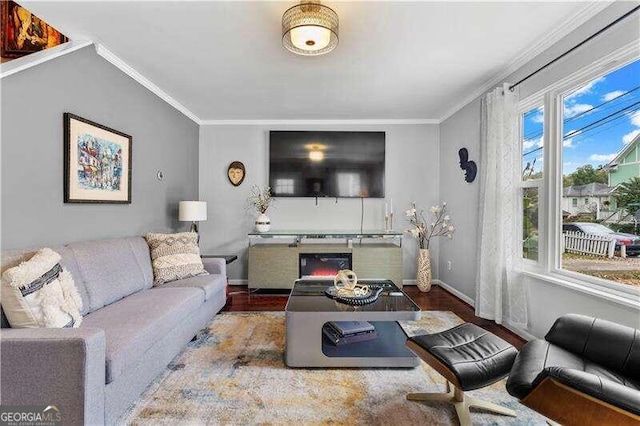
point(630, 241)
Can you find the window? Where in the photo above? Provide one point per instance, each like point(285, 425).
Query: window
point(601, 123)
point(591, 183)
point(284, 186)
point(532, 148)
point(587, 171)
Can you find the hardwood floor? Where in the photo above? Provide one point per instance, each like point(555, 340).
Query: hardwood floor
point(438, 299)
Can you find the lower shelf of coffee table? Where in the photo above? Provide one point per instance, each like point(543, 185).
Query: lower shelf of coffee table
point(389, 344)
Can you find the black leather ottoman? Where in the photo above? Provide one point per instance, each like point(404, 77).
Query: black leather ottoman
point(469, 357)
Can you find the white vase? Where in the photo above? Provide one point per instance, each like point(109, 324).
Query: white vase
point(263, 224)
point(424, 270)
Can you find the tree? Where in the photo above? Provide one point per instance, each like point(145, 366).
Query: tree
point(585, 175)
point(628, 193)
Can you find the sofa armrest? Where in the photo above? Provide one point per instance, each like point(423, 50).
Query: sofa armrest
point(596, 386)
point(62, 367)
point(215, 265)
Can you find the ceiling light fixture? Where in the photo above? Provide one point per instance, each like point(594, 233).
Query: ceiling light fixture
point(310, 29)
point(316, 152)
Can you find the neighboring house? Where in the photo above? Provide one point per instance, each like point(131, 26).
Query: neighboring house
point(624, 166)
point(590, 198)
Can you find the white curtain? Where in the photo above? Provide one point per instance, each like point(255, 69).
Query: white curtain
point(500, 294)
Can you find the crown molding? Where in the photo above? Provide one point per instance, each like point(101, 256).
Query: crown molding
point(564, 29)
point(155, 89)
point(20, 64)
point(353, 122)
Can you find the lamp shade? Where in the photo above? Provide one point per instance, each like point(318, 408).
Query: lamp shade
point(192, 211)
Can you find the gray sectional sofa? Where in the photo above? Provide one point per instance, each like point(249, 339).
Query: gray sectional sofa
point(129, 334)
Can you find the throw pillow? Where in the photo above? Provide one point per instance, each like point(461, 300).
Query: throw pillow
point(174, 256)
point(40, 293)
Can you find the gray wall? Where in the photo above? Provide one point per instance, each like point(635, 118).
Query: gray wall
point(547, 301)
point(33, 101)
point(411, 174)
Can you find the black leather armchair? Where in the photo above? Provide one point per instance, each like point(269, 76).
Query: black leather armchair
point(585, 372)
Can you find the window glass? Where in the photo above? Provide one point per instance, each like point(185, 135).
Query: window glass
point(530, 223)
point(532, 143)
point(601, 166)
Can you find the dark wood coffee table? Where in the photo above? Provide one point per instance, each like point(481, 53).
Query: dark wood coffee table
point(308, 309)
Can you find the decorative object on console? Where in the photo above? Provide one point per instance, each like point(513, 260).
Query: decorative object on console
point(310, 29)
point(192, 211)
point(40, 293)
point(470, 167)
point(236, 173)
point(97, 163)
point(24, 33)
point(174, 256)
point(260, 200)
point(440, 227)
point(388, 216)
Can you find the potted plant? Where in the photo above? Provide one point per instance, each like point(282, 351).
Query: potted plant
point(260, 200)
point(423, 232)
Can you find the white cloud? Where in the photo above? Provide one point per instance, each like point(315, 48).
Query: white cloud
point(584, 90)
point(612, 95)
point(602, 157)
point(635, 118)
point(567, 143)
point(530, 143)
point(538, 118)
point(575, 109)
point(626, 139)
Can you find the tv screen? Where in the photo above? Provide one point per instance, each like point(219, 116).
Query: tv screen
point(326, 164)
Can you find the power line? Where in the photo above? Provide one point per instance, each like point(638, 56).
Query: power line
point(534, 135)
point(590, 127)
point(600, 120)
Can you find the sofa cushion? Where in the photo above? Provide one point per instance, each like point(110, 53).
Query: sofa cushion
point(68, 262)
point(40, 293)
point(135, 323)
point(113, 269)
point(175, 256)
point(210, 284)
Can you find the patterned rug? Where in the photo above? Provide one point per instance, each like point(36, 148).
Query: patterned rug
point(234, 373)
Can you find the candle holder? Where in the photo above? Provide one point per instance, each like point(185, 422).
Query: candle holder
point(388, 222)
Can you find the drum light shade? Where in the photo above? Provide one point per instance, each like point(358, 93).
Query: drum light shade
point(192, 211)
point(310, 29)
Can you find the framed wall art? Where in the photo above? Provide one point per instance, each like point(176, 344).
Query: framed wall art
point(97, 163)
point(24, 33)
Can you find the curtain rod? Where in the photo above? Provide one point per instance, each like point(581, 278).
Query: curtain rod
point(575, 47)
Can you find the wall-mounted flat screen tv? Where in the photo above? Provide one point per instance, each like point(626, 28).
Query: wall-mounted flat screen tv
point(327, 164)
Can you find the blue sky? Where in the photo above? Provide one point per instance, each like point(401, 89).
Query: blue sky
point(600, 118)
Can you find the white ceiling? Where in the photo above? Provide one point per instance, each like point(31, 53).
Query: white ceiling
point(395, 60)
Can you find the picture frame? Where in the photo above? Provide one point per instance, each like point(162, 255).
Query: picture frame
point(97, 162)
point(24, 33)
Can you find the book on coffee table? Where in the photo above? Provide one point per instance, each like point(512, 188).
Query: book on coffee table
point(348, 328)
point(338, 340)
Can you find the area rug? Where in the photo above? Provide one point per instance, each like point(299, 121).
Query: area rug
point(234, 373)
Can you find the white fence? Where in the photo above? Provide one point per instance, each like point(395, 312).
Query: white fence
point(595, 245)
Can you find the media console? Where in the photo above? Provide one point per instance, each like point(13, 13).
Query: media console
point(278, 258)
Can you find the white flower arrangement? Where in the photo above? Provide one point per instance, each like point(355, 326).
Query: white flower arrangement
point(441, 227)
point(260, 199)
